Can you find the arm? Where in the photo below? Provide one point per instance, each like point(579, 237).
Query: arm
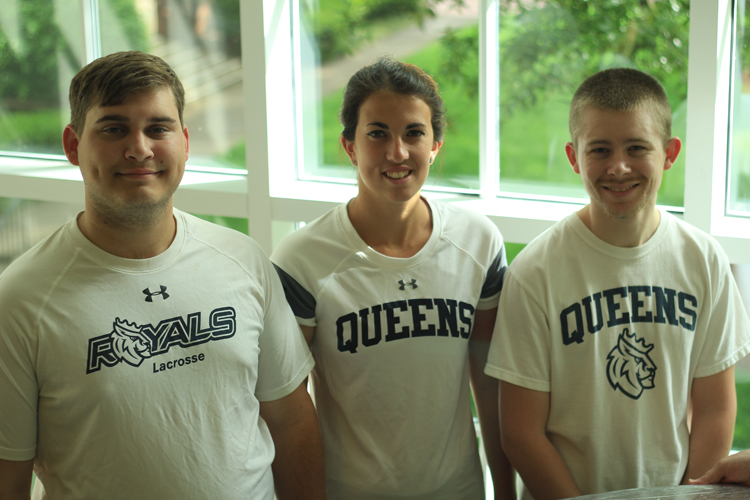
point(298, 466)
point(485, 389)
point(734, 469)
point(15, 479)
point(714, 411)
point(523, 423)
point(309, 333)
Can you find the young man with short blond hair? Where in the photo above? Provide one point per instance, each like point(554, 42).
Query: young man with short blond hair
point(618, 319)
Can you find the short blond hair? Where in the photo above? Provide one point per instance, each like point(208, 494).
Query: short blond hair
point(621, 89)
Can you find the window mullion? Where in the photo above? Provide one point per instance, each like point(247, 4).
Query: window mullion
point(92, 40)
point(708, 111)
point(489, 102)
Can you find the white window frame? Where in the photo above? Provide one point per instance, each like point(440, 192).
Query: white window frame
point(271, 191)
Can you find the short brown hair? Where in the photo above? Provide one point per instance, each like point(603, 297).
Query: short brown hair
point(112, 79)
point(388, 74)
point(621, 89)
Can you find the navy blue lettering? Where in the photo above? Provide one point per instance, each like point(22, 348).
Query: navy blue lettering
point(418, 317)
point(613, 306)
point(466, 320)
point(665, 304)
point(175, 331)
point(392, 320)
point(683, 298)
point(447, 316)
point(366, 340)
point(576, 335)
point(178, 362)
point(636, 304)
point(101, 353)
point(176, 334)
point(597, 299)
point(223, 322)
point(194, 327)
point(349, 344)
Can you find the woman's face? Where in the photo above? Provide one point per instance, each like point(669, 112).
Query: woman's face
point(393, 146)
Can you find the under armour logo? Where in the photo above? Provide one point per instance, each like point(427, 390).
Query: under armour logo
point(150, 294)
point(413, 284)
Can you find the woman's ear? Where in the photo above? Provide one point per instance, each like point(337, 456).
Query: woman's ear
point(349, 148)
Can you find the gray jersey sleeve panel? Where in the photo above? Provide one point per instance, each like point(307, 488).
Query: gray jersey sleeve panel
point(301, 301)
point(494, 282)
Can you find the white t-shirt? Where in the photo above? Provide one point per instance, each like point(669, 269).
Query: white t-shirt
point(142, 378)
point(391, 383)
point(616, 336)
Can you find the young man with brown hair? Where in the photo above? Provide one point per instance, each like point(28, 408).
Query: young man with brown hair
point(145, 353)
point(620, 319)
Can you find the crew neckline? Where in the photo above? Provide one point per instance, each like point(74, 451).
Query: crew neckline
point(621, 252)
point(122, 264)
point(359, 245)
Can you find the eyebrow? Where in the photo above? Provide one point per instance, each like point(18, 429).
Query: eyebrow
point(606, 142)
point(121, 118)
point(383, 125)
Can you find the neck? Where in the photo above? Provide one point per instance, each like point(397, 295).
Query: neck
point(395, 230)
point(628, 232)
point(130, 238)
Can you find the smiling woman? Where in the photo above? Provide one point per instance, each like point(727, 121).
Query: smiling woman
point(415, 282)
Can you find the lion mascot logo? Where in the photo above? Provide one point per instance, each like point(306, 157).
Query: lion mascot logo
point(629, 366)
point(129, 343)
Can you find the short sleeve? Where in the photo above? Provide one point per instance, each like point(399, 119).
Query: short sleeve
point(18, 386)
point(727, 335)
point(300, 300)
point(519, 351)
point(285, 360)
point(493, 283)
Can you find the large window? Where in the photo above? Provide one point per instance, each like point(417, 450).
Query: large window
point(738, 192)
point(338, 37)
point(41, 48)
point(545, 49)
point(267, 101)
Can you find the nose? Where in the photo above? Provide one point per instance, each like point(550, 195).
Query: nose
point(138, 147)
point(619, 165)
point(397, 152)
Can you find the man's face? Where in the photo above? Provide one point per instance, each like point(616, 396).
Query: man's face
point(621, 158)
point(132, 156)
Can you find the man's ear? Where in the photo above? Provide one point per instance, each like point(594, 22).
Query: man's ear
point(349, 148)
point(70, 144)
point(673, 149)
point(187, 141)
point(571, 154)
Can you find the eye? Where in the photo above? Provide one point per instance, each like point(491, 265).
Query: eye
point(159, 130)
point(376, 134)
point(415, 133)
point(112, 130)
point(599, 151)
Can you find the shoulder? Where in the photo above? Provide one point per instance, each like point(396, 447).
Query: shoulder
point(467, 230)
point(460, 220)
point(220, 239)
point(31, 275)
point(696, 247)
point(321, 245)
point(548, 247)
point(681, 233)
point(225, 249)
